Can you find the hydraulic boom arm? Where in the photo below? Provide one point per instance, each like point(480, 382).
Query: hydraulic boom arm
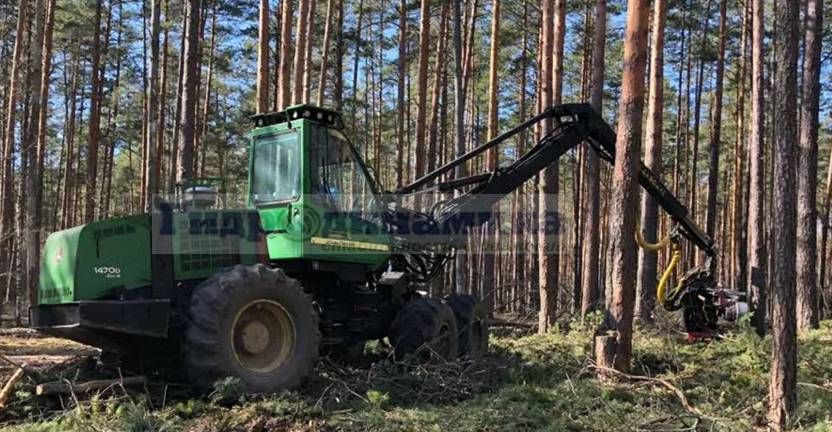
point(573, 124)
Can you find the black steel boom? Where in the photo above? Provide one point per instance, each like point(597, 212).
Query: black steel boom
point(573, 124)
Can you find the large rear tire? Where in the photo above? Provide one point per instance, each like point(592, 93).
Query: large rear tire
point(425, 328)
point(254, 323)
point(472, 325)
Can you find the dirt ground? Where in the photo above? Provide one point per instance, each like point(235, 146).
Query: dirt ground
point(36, 350)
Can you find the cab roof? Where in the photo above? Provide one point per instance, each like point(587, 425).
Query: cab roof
point(297, 112)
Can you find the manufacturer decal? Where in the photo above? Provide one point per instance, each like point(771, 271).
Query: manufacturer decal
point(108, 272)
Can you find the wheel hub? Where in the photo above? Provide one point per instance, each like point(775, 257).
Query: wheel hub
point(255, 337)
point(263, 336)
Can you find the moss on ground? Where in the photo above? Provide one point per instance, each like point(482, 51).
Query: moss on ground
point(526, 383)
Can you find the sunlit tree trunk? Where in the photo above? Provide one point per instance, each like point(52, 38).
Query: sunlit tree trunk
point(549, 230)
point(185, 168)
point(263, 59)
point(422, 87)
point(284, 91)
point(623, 205)
point(757, 260)
point(783, 385)
point(646, 289)
point(807, 295)
point(325, 51)
point(716, 126)
point(590, 272)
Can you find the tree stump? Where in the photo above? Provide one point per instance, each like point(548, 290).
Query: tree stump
point(606, 346)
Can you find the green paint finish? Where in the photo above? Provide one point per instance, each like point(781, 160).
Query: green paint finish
point(96, 260)
point(312, 195)
point(204, 242)
point(307, 186)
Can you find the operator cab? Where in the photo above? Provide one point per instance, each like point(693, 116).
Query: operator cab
point(311, 187)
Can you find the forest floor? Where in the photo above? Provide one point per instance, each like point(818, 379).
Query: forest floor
point(526, 383)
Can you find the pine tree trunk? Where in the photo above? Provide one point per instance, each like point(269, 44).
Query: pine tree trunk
point(783, 384)
point(438, 72)
point(206, 102)
point(592, 223)
point(94, 126)
point(490, 228)
point(300, 51)
point(422, 87)
point(807, 296)
point(284, 89)
point(549, 231)
point(459, 123)
point(648, 261)
point(716, 126)
point(185, 165)
point(739, 251)
point(623, 205)
point(263, 59)
point(757, 261)
point(325, 55)
point(309, 41)
point(152, 186)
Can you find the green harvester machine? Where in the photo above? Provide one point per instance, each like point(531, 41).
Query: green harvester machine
point(318, 257)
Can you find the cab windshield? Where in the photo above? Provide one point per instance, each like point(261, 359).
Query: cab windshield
point(276, 170)
point(337, 177)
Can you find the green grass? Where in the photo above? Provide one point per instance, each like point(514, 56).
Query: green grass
point(527, 383)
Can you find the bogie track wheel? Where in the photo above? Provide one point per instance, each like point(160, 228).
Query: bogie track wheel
point(254, 323)
point(471, 323)
point(425, 328)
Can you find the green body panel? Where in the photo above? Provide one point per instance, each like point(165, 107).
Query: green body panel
point(95, 260)
point(103, 259)
point(207, 241)
point(304, 227)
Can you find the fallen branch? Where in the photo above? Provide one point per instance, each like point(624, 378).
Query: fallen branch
point(680, 395)
point(63, 387)
point(497, 322)
point(815, 386)
point(7, 389)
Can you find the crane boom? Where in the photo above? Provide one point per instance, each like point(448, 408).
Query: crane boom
point(573, 125)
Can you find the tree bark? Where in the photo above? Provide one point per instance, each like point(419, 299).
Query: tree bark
point(300, 51)
point(623, 203)
point(309, 41)
point(459, 125)
point(94, 125)
point(757, 260)
point(422, 87)
point(284, 91)
point(648, 261)
point(807, 296)
point(263, 59)
point(325, 52)
point(549, 230)
point(716, 126)
point(592, 220)
point(783, 384)
point(547, 8)
point(152, 185)
point(187, 131)
point(739, 251)
point(439, 69)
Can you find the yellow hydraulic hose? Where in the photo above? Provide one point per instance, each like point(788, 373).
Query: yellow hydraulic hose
point(661, 291)
point(652, 247)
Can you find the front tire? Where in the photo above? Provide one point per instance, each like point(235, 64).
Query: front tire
point(254, 323)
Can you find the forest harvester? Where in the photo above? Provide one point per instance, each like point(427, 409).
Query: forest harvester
point(317, 257)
